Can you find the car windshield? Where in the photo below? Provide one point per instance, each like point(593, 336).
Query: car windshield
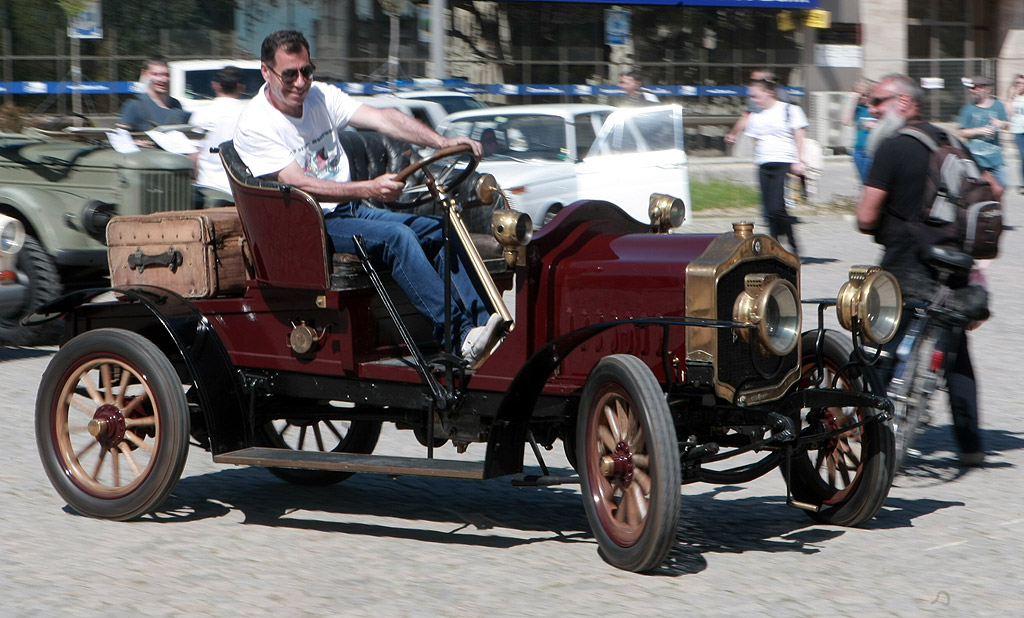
point(515, 136)
point(197, 83)
point(640, 131)
point(452, 104)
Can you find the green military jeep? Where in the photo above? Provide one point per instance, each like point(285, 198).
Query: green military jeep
point(64, 186)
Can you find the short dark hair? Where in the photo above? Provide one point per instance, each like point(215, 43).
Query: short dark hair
point(155, 60)
point(637, 75)
point(229, 78)
point(291, 40)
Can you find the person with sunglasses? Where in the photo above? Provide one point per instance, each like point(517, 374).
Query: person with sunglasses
point(890, 210)
point(980, 123)
point(287, 133)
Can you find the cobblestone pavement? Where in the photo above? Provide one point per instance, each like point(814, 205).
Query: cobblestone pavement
point(237, 542)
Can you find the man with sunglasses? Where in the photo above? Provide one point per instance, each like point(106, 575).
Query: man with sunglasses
point(889, 209)
point(288, 133)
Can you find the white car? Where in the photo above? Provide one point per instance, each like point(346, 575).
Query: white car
point(546, 157)
point(427, 112)
point(452, 101)
point(190, 79)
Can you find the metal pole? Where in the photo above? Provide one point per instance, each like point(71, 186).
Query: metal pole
point(76, 76)
point(438, 33)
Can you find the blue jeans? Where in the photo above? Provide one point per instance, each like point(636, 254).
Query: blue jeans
point(862, 160)
point(412, 246)
point(1019, 137)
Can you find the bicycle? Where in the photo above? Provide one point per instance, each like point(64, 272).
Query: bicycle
point(926, 351)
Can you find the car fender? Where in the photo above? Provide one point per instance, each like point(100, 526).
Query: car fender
point(178, 328)
point(509, 430)
point(38, 209)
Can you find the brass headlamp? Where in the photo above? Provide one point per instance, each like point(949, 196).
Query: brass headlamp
point(874, 298)
point(769, 303)
point(666, 212)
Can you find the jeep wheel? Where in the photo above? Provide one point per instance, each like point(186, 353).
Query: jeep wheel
point(628, 459)
point(847, 477)
point(319, 435)
point(43, 284)
point(112, 424)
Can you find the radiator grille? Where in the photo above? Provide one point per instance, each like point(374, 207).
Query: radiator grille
point(160, 191)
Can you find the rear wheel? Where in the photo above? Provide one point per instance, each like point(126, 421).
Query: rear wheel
point(849, 475)
point(321, 435)
point(112, 424)
point(628, 459)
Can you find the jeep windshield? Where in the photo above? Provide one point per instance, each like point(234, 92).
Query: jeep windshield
point(520, 136)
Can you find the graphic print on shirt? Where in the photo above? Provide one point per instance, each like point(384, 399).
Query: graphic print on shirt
point(321, 158)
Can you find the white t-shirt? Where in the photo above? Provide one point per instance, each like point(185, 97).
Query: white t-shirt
point(774, 133)
point(218, 119)
point(268, 141)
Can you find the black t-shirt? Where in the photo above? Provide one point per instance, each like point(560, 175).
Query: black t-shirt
point(900, 168)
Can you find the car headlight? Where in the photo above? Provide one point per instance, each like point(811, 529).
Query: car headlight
point(770, 303)
point(12, 235)
point(512, 230)
point(874, 298)
point(666, 212)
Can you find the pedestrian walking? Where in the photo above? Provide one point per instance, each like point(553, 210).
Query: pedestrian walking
point(778, 131)
point(1015, 110)
point(980, 123)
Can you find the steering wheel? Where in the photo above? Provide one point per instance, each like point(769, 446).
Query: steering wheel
point(434, 182)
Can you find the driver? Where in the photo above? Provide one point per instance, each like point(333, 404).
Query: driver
point(287, 133)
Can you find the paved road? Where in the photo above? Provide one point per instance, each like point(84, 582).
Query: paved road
point(237, 542)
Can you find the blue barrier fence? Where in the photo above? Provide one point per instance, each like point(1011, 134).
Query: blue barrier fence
point(102, 88)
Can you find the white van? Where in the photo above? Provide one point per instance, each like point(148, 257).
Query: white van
point(190, 79)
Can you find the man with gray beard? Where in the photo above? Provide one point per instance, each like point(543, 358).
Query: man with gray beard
point(889, 208)
point(884, 128)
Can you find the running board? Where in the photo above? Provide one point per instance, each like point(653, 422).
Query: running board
point(348, 462)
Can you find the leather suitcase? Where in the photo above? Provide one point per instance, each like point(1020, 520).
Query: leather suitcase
point(196, 253)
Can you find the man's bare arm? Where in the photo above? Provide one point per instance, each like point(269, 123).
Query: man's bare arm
point(394, 123)
point(383, 187)
point(869, 210)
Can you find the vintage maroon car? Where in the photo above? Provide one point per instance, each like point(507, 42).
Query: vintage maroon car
point(651, 356)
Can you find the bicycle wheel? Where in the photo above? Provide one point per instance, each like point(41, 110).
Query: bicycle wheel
point(911, 394)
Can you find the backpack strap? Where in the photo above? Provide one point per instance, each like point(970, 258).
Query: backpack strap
point(920, 136)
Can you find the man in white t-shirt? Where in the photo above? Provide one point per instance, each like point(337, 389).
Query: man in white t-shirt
point(288, 133)
point(779, 130)
point(218, 119)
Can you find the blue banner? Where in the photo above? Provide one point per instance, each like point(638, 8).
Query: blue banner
point(359, 88)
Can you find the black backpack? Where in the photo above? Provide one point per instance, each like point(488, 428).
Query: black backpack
point(959, 209)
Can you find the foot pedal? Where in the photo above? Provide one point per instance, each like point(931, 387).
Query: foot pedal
point(804, 506)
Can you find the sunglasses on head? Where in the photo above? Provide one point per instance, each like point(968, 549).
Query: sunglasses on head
point(290, 75)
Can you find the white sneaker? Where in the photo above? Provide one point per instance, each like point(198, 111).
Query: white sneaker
point(480, 341)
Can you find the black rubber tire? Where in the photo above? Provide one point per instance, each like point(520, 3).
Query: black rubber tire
point(358, 437)
point(853, 490)
point(44, 284)
point(86, 371)
point(623, 388)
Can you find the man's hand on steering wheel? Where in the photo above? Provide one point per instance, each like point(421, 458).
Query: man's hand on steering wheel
point(478, 150)
point(385, 188)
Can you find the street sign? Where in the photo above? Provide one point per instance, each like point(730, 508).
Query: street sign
point(88, 24)
point(616, 27)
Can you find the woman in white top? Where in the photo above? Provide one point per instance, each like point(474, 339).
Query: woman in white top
point(1015, 110)
point(779, 130)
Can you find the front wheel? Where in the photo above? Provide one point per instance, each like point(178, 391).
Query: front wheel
point(112, 424)
point(849, 475)
point(628, 460)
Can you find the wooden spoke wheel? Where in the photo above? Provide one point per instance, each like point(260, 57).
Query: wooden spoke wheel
point(849, 475)
point(322, 435)
point(112, 424)
point(628, 459)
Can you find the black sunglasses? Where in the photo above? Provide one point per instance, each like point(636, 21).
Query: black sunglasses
point(290, 75)
point(876, 101)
